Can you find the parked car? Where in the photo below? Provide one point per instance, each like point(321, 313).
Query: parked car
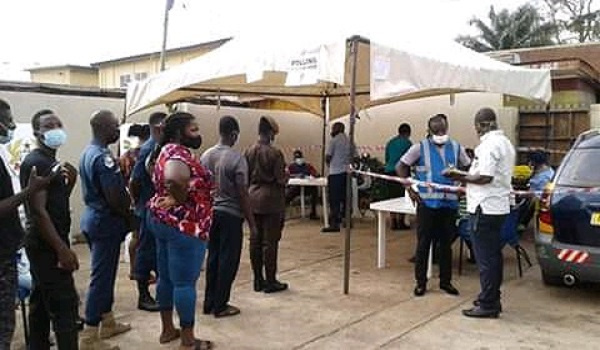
point(568, 232)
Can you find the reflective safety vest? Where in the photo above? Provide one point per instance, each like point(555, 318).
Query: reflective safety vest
point(432, 162)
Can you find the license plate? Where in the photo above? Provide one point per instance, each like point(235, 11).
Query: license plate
point(595, 221)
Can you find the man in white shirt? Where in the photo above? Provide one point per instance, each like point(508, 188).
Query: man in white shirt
point(488, 203)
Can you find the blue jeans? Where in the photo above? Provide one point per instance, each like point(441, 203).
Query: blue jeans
point(179, 260)
point(145, 261)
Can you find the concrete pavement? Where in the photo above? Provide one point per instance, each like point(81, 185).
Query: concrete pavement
point(379, 313)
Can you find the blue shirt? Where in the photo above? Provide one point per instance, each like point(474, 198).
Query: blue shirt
point(141, 175)
point(539, 180)
point(394, 150)
point(100, 171)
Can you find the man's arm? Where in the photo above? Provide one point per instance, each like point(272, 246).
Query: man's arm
point(281, 176)
point(35, 184)
point(41, 219)
point(403, 169)
point(177, 177)
point(113, 187)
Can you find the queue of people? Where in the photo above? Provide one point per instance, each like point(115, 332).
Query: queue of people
point(182, 207)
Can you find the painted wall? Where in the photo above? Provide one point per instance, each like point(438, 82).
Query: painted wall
point(66, 76)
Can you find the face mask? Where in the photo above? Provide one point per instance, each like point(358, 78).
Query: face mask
point(192, 142)
point(439, 139)
point(10, 133)
point(299, 161)
point(54, 138)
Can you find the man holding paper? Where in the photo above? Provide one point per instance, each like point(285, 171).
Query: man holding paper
point(436, 209)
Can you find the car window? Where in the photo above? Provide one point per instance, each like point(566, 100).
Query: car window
point(582, 169)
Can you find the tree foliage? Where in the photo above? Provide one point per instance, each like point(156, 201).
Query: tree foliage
point(525, 27)
point(572, 20)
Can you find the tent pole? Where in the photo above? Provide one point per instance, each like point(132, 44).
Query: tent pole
point(325, 110)
point(353, 62)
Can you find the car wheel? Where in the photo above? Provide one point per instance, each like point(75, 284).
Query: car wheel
point(551, 280)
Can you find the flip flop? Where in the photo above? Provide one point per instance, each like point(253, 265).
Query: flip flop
point(229, 311)
point(199, 345)
point(170, 338)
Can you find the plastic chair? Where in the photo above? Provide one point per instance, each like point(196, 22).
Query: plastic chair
point(510, 234)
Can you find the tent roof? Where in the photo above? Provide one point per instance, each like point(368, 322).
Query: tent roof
point(304, 70)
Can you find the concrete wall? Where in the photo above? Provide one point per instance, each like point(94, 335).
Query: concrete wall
point(595, 116)
point(65, 76)
point(110, 73)
point(74, 112)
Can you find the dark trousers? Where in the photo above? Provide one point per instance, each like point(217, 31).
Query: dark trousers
point(145, 260)
point(224, 253)
point(438, 225)
point(54, 300)
point(104, 264)
point(8, 293)
point(487, 244)
point(336, 185)
point(294, 191)
point(264, 245)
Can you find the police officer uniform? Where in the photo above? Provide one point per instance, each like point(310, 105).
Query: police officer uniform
point(103, 228)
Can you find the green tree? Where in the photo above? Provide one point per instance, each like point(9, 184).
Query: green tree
point(525, 27)
point(573, 20)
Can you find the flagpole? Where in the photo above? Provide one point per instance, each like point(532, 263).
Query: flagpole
point(169, 4)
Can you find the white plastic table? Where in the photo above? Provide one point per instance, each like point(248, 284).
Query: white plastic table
point(312, 181)
point(402, 205)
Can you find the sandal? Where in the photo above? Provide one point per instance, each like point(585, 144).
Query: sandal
point(199, 345)
point(230, 310)
point(167, 338)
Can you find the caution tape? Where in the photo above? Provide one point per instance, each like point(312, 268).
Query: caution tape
point(381, 148)
point(408, 181)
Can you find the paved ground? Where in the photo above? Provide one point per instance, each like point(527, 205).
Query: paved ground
point(380, 312)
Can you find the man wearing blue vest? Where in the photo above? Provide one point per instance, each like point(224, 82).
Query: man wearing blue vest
point(105, 222)
point(436, 210)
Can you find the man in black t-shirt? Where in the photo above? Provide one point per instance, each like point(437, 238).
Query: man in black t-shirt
point(54, 298)
point(11, 232)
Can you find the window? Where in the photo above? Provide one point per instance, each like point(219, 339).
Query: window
point(141, 76)
point(124, 80)
point(581, 169)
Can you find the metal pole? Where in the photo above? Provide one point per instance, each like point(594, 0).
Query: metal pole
point(164, 42)
point(353, 66)
point(325, 109)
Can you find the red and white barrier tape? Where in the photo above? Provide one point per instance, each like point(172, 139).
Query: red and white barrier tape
point(381, 148)
point(459, 189)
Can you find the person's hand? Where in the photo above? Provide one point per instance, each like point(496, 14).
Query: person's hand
point(37, 183)
point(70, 172)
point(67, 260)
point(166, 202)
point(414, 196)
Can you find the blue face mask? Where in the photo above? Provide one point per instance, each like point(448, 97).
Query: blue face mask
point(4, 139)
point(54, 138)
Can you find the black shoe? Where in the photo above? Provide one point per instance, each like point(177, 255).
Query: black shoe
point(230, 310)
point(259, 285)
point(274, 287)
point(313, 216)
point(147, 303)
point(450, 289)
point(330, 229)
point(471, 260)
point(498, 306)
point(420, 291)
point(412, 260)
point(207, 309)
point(478, 312)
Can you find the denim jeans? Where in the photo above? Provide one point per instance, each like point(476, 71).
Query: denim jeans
point(179, 260)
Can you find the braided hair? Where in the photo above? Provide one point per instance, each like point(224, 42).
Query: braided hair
point(175, 125)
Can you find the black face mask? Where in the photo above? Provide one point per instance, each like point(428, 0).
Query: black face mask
point(192, 142)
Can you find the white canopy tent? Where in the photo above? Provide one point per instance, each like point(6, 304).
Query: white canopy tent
point(350, 73)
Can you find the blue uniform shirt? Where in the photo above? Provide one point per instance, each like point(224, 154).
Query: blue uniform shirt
point(140, 174)
point(100, 171)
